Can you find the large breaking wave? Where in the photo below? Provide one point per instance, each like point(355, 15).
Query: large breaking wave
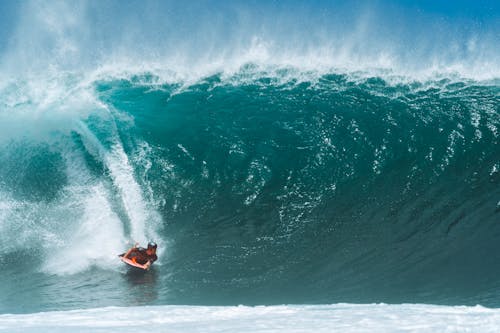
point(267, 174)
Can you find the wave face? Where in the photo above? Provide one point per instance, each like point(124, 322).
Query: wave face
point(261, 190)
point(270, 167)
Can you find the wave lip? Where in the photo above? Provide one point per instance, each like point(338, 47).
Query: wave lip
point(49, 37)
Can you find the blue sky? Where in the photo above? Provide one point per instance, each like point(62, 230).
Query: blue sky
point(157, 20)
point(484, 11)
point(481, 9)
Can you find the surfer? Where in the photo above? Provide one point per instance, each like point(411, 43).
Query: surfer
point(141, 256)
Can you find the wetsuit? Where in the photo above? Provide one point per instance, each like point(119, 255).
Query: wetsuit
point(140, 256)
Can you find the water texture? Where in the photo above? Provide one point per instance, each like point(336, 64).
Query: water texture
point(266, 174)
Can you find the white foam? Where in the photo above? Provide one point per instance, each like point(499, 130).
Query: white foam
point(369, 318)
point(142, 218)
point(96, 238)
point(79, 225)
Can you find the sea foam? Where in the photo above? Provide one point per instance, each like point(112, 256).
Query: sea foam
point(284, 318)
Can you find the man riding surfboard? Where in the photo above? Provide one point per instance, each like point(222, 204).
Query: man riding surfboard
point(141, 257)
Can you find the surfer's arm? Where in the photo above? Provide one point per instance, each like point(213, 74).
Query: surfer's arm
point(145, 266)
point(130, 250)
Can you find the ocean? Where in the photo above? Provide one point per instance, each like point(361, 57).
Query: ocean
point(274, 189)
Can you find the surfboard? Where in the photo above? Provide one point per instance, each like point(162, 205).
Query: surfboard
point(133, 264)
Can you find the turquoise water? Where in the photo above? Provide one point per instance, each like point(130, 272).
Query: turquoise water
point(258, 190)
point(306, 153)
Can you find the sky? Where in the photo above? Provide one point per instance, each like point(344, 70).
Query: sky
point(165, 25)
point(486, 12)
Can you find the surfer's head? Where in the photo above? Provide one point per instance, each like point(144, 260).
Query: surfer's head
point(151, 247)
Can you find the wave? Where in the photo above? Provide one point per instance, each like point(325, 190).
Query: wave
point(282, 165)
point(270, 188)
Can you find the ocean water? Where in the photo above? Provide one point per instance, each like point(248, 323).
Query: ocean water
point(258, 189)
point(318, 172)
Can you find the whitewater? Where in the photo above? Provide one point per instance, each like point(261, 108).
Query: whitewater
point(290, 318)
point(303, 167)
